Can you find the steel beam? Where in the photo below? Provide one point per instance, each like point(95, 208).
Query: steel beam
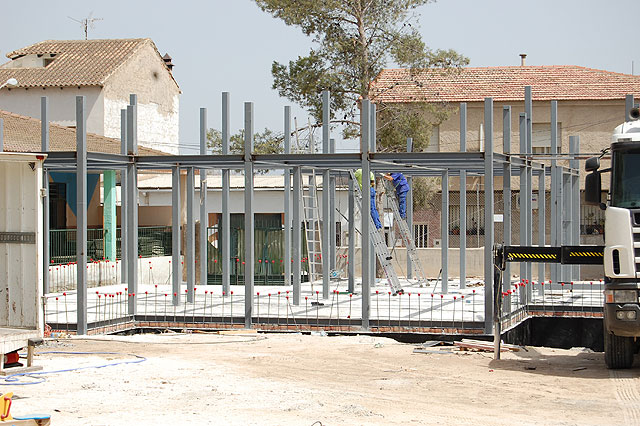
point(523, 195)
point(332, 213)
point(81, 215)
point(556, 210)
point(410, 212)
point(351, 257)
point(124, 258)
point(574, 164)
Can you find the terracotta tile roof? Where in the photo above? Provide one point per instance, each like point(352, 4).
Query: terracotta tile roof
point(22, 134)
point(560, 82)
point(76, 62)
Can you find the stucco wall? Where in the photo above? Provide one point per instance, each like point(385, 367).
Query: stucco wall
point(158, 103)
point(62, 105)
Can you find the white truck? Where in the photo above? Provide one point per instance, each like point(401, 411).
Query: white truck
point(621, 241)
point(21, 251)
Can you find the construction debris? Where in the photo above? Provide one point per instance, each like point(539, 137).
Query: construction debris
point(481, 345)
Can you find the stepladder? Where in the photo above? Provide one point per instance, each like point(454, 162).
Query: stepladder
point(379, 245)
point(405, 233)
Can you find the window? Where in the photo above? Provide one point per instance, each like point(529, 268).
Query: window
point(541, 138)
point(475, 219)
point(421, 233)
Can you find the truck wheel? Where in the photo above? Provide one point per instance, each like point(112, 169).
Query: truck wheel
point(618, 351)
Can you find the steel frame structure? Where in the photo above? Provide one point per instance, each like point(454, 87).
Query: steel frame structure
point(489, 164)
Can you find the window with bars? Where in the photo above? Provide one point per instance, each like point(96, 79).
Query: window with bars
point(421, 233)
point(475, 220)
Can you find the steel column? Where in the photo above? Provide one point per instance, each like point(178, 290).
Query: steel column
point(224, 225)
point(556, 211)
point(523, 195)
point(132, 200)
point(488, 215)
point(248, 215)
point(462, 226)
point(297, 232)
point(325, 198)
point(528, 106)
point(332, 213)
point(444, 232)
point(45, 146)
point(542, 210)
point(373, 261)
point(574, 164)
point(566, 221)
point(124, 210)
point(176, 264)
point(365, 115)
point(351, 257)
point(81, 215)
point(204, 217)
point(410, 212)
point(506, 199)
point(287, 206)
point(190, 234)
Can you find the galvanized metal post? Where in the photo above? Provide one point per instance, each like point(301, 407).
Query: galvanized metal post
point(124, 258)
point(556, 185)
point(542, 211)
point(45, 146)
point(506, 199)
point(176, 264)
point(325, 198)
point(132, 201)
point(365, 115)
point(373, 261)
point(574, 164)
point(444, 232)
point(351, 257)
point(81, 215)
point(410, 212)
point(248, 215)
point(488, 215)
point(566, 220)
point(297, 233)
point(224, 226)
point(287, 205)
point(204, 217)
point(332, 213)
point(190, 234)
point(523, 194)
point(528, 106)
point(462, 226)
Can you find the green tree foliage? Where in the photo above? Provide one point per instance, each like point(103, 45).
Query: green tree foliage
point(354, 40)
point(266, 142)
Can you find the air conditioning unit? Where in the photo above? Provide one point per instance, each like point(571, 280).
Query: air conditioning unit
point(437, 242)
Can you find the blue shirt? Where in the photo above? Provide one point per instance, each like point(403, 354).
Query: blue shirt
point(400, 182)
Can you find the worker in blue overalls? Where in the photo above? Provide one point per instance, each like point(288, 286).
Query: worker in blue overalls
point(374, 212)
point(402, 187)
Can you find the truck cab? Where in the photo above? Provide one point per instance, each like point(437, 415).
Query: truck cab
point(622, 241)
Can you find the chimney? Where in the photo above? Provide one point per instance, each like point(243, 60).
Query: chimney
point(523, 56)
point(167, 60)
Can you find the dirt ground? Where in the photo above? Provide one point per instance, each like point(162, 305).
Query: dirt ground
point(294, 379)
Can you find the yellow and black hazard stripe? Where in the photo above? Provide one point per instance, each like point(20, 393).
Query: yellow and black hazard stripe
point(583, 255)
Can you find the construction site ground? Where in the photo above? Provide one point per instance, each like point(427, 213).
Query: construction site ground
point(244, 378)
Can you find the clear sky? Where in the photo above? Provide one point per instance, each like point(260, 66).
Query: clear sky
point(229, 45)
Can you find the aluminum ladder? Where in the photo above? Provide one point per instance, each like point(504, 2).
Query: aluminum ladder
point(390, 192)
point(379, 246)
point(312, 229)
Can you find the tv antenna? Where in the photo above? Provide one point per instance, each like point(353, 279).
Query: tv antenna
point(88, 22)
